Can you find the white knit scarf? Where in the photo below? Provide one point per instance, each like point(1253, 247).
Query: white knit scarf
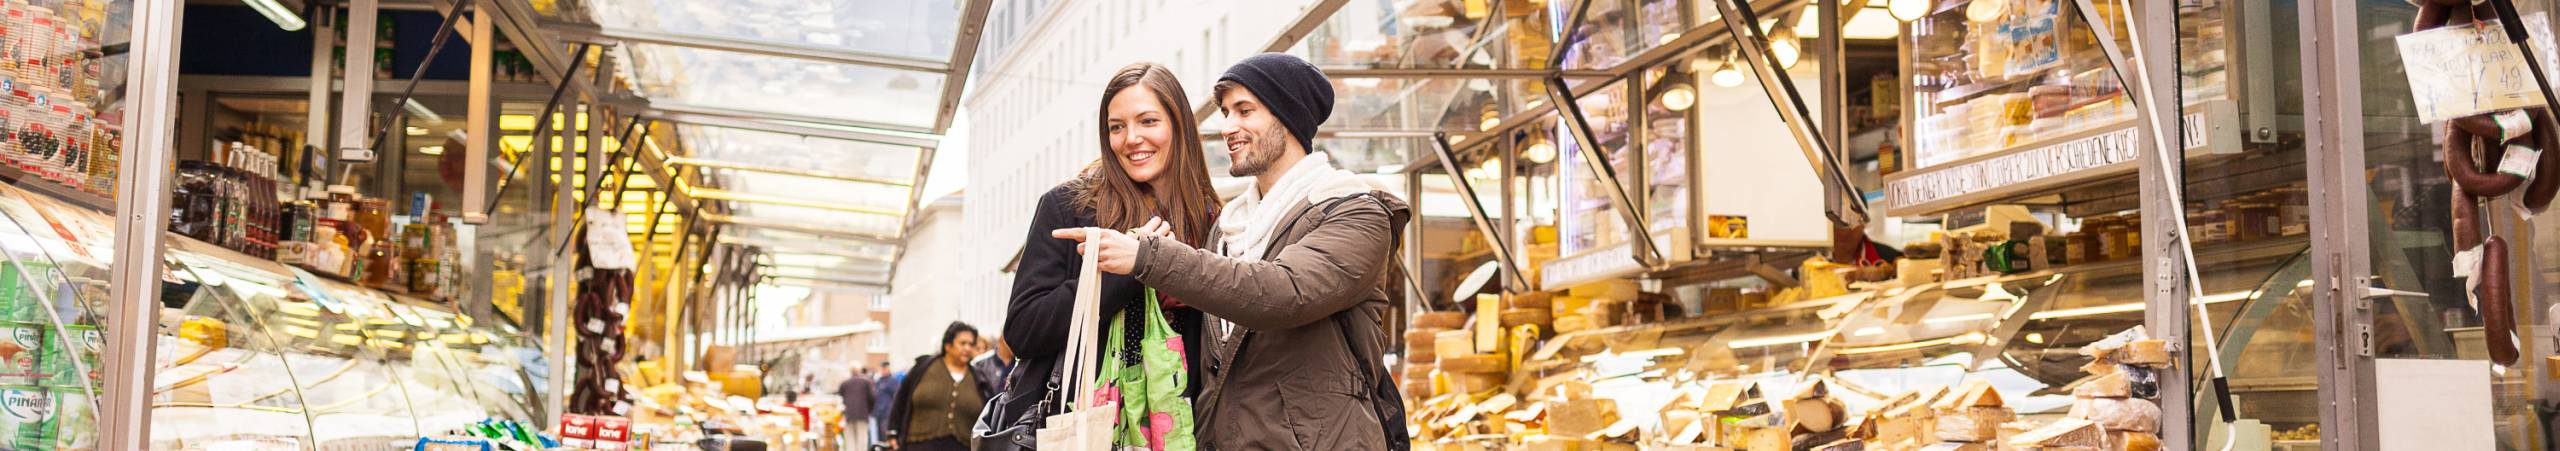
point(1249, 222)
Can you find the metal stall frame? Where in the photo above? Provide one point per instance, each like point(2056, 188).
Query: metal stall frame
point(142, 219)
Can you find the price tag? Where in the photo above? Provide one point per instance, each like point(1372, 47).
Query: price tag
point(2520, 161)
point(2513, 124)
point(2466, 263)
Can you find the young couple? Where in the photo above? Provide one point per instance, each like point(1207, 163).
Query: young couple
point(1283, 287)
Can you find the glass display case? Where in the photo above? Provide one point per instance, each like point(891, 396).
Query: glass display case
point(2022, 334)
point(252, 353)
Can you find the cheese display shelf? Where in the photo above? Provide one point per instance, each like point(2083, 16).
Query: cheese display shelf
point(251, 353)
point(260, 353)
point(1885, 351)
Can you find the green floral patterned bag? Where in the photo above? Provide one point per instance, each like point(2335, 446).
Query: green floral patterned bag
point(1153, 414)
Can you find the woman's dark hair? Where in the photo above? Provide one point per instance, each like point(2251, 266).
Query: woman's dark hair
point(952, 333)
point(1181, 195)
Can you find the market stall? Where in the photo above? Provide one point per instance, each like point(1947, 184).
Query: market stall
point(1998, 152)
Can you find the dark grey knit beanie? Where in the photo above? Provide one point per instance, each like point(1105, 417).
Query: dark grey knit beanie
point(1292, 89)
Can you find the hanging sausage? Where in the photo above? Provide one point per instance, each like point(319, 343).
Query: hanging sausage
point(2474, 153)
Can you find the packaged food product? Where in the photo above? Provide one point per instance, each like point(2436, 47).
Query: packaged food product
point(21, 350)
point(75, 420)
point(71, 359)
point(27, 419)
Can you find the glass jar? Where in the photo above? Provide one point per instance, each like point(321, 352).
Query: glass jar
point(193, 201)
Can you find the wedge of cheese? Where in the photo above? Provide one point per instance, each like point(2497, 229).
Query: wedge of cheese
point(2067, 432)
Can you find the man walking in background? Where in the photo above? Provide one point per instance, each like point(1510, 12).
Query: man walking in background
point(884, 389)
point(856, 391)
point(994, 366)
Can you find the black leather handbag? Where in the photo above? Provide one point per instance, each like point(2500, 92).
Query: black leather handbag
point(1023, 433)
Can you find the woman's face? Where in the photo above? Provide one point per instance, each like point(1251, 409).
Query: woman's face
point(1141, 133)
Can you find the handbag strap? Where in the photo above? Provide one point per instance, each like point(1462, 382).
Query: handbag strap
point(1081, 332)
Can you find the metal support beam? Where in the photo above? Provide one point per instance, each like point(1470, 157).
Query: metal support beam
point(734, 196)
point(1462, 74)
point(752, 167)
point(482, 123)
point(591, 34)
point(1842, 199)
point(964, 53)
point(141, 225)
point(541, 132)
point(355, 109)
point(324, 38)
point(2333, 97)
point(1501, 242)
point(717, 218)
point(1595, 158)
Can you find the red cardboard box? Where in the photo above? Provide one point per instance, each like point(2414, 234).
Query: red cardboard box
point(575, 426)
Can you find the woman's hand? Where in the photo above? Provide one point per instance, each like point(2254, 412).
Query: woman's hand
point(1115, 252)
point(1155, 227)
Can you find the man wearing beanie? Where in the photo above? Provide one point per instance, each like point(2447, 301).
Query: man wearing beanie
point(1298, 281)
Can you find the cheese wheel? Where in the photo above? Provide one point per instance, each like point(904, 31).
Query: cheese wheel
point(1440, 320)
point(2136, 441)
point(1527, 316)
point(1533, 300)
point(1421, 355)
point(1475, 364)
point(1419, 338)
point(2125, 414)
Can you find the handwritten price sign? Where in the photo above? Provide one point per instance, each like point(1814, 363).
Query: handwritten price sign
point(2458, 71)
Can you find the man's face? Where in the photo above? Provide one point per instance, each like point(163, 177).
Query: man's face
point(1255, 138)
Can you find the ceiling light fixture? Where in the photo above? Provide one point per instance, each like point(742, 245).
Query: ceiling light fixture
point(1679, 97)
point(1909, 10)
point(1540, 152)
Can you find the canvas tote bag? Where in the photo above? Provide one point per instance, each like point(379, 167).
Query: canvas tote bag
point(1084, 423)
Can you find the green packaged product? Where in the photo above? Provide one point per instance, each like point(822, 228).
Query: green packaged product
point(27, 419)
point(76, 420)
point(22, 348)
point(20, 298)
point(71, 359)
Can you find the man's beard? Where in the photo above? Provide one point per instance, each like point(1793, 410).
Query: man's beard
point(1259, 154)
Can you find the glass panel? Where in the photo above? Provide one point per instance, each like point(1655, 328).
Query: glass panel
point(1613, 30)
point(822, 155)
point(1377, 155)
point(2043, 79)
point(1414, 104)
point(2416, 235)
point(759, 83)
point(753, 235)
point(819, 217)
point(1418, 35)
point(910, 28)
point(812, 189)
point(1591, 220)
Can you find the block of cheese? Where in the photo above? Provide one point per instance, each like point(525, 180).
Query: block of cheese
point(1842, 445)
point(1957, 446)
point(1910, 428)
point(1454, 343)
point(1532, 300)
point(2111, 385)
point(2067, 432)
point(1564, 306)
point(1562, 442)
point(1421, 356)
point(1675, 419)
point(1473, 382)
point(2125, 414)
point(1974, 393)
point(1440, 320)
point(1972, 424)
point(1571, 324)
point(1475, 364)
point(1612, 289)
point(1767, 439)
point(1816, 415)
point(1418, 370)
point(1528, 316)
point(1581, 417)
point(2152, 352)
point(1419, 338)
point(2135, 441)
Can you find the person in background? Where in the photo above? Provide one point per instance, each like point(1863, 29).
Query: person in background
point(856, 391)
point(994, 366)
point(884, 390)
point(941, 397)
point(1297, 280)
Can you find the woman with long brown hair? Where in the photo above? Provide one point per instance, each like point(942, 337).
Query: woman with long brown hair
point(1151, 177)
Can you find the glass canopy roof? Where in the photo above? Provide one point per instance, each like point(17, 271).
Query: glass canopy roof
point(772, 101)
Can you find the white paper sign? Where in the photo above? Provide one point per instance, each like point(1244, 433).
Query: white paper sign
point(2434, 405)
point(608, 243)
point(2457, 71)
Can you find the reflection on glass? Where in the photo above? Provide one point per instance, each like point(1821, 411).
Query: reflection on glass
point(922, 29)
point(768, 84)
